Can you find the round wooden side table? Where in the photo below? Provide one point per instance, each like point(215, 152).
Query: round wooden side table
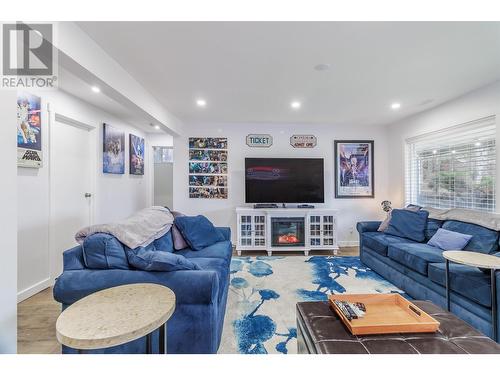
point(473, 259)
point(116, 316)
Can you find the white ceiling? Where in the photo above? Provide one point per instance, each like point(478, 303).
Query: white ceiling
point(251, 71)
point(76, 86)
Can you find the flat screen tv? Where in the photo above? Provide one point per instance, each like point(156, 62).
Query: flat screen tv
point(284, 180)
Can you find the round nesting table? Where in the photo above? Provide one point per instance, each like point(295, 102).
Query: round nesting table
point(474, 259)
point(116, 316)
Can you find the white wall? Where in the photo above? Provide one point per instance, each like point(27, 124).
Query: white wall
point(115, 197)
point(472, 106)
point(222, 212)
point(8, 223)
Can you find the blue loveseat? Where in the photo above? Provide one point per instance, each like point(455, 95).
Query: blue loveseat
point(201, 295)
point(419, 269)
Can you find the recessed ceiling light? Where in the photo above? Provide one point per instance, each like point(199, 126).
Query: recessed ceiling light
point(157, 127)
point(295, 105)
point(96, 89)
point(322, 67)
point(477, 144)
point(453, 152)
point(434, 152)
point(201, 102)
point(395, 106)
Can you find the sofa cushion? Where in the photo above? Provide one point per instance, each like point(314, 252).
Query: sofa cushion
point(104, 251)
point(432, 227)
point(164, 243)
point(448, 240)
point(147, 259)
point(379, 242)
point(221, 250)
point(467, 281)
point(483, 240)
point(198, 231)
point(408, 224)
point(415, 256)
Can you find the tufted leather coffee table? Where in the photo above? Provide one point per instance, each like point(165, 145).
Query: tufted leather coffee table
point(320, 331)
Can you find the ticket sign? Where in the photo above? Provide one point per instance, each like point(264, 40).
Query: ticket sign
point(303, 141)
point(259, 140)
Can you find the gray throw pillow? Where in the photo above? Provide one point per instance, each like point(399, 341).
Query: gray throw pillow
point(178, 239)
point(385, 224)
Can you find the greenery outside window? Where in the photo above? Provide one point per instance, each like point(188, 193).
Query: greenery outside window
point(455, 167)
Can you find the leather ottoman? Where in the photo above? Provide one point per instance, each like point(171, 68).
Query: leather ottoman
point(320, 331)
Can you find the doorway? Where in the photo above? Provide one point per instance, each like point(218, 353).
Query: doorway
point(163, 176)
point(71, 185)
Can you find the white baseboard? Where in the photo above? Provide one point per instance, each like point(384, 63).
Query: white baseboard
point(34, 289)
point(348, 243)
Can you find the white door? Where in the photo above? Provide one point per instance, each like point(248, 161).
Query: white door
point(71, 164)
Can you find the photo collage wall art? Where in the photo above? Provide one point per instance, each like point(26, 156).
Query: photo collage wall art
point(208, 168)
point(113, 157)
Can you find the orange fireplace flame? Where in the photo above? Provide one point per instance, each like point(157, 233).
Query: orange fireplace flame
point(288, 238)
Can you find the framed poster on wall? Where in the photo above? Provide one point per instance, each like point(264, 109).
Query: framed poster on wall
point(29, 131)
point(113, 157)
point(136, 155)
point(208, 168)
point(354, 169)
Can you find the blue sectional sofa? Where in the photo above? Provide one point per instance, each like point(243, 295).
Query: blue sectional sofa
point(201, 295)
point(419, 269)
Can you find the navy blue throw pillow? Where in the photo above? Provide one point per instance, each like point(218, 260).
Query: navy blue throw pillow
point(408, 224)
point(147, 259)
point(198, 231)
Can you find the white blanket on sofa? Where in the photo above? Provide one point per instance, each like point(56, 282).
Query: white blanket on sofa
point(484, 219)
point(140, 229)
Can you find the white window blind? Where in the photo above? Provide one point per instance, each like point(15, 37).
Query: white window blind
point(454, 167)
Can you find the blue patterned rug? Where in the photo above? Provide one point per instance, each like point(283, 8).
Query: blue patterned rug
point(260, 315)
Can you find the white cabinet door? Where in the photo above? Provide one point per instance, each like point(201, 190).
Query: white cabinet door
point(322, 231)
point(259, 231)
point(315, 230)
point(252, 231)
point(328, 230)
point(245, 230)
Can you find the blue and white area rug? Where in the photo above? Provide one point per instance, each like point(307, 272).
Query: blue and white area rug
point(260, 314)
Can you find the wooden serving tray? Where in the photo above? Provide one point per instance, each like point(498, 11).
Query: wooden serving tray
point(385, 313)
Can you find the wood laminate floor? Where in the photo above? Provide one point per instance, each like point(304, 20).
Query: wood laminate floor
point(36, 324)
point(37, 315)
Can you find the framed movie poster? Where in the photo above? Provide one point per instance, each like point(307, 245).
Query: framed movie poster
point(136, 155)
point(29, 131)
point(208, 166)
point(354, 169)
point(113, 158)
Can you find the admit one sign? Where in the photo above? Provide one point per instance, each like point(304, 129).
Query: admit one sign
point(303, 141)
point(259, 140)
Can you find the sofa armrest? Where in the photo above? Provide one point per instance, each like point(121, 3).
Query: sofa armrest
point(189, 286)
point(226, 232)
point(368, 226)
point(73, 259)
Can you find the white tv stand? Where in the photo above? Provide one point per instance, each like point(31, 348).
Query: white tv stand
point(254, 229)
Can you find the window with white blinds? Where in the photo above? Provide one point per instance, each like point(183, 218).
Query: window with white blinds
point(454, 167)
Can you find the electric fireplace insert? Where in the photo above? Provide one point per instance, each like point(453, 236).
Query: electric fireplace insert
point(288, 231)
